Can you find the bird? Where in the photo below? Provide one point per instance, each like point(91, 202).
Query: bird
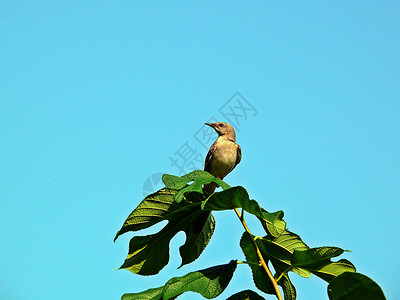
point(223, 156)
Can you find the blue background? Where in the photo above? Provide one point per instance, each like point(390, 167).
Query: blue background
point(97, 96)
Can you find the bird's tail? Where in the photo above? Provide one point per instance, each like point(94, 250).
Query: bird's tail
point(209, 188)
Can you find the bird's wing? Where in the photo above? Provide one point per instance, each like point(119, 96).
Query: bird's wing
point(239, 155)
point(207, 164)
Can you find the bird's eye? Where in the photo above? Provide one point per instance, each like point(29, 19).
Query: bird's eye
point(221, 124)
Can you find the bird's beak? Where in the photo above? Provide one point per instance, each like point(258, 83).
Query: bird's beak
point(210, 124)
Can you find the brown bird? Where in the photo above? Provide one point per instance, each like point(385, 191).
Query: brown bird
point(223, 155)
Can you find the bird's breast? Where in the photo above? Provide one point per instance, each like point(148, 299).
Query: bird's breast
point(224, 158)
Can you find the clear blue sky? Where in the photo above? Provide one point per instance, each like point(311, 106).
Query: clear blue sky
point(95, 97)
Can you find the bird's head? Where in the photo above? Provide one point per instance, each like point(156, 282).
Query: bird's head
point(224, 129)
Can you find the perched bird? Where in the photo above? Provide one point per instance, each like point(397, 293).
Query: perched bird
point(223, 155)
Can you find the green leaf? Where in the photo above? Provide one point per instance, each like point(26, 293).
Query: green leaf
point(350, 286)
point(304, 258)
point(210, 283)
point(329, 271)
point(155, 208)
point(260, 277)
point(246, 295)
point(280, 250)
point(200, 233)
point(289, 290)
point(150, 294)
point(318, 261)
point(290, 241)
point(275, 229)
point(237, 197)
point(273, 250)
point(149, 254)
point(198, 177)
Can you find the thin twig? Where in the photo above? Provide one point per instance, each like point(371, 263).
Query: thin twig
point(283, 273)
point(260, 257)
point(248, 262)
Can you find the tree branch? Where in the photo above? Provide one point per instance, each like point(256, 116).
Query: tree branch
point(260, 257)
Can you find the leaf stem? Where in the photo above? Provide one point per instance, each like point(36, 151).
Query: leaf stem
point(260, 257)
point(283, 273)
point(248, 262)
